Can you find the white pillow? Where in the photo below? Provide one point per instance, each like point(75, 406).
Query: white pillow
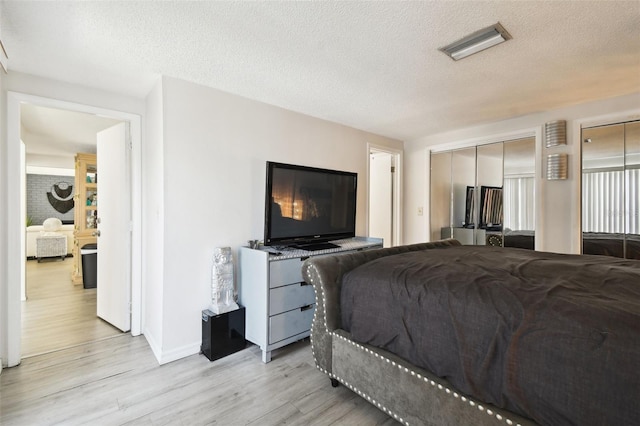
point(52, 224)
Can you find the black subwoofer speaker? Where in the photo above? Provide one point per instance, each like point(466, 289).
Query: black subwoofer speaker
point(222, 334)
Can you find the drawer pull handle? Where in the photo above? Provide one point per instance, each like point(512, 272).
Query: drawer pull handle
point(306, 308)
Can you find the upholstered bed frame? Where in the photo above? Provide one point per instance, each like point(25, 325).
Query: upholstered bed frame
point(411, 395)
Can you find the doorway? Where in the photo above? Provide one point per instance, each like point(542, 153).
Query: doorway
point(383, 217)
point(16, 214)
point(58, 310)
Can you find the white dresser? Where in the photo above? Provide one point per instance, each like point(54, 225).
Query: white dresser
point(279, 304)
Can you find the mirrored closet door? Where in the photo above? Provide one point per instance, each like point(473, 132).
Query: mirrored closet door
point(463, 180)
point(519, 193)
point(485, 194)
point(441, 195)
point(611, 190)
point(489, 194)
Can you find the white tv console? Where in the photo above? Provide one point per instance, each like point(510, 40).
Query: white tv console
point(279, 304)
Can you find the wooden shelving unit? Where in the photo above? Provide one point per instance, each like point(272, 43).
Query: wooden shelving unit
point(85, 209)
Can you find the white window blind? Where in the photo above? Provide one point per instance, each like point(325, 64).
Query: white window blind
point(632, 201)
point(519, 203)
point(611, 201)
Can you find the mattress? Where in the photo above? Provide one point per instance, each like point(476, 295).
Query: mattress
point(555, 338)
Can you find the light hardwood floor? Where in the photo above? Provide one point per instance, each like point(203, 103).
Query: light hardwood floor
point(58, 314)
point(117, 380)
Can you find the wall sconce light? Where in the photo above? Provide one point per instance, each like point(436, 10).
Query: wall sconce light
point(556, 133)
point(557, 166)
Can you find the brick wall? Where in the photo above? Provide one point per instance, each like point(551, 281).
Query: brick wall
point(38, 206)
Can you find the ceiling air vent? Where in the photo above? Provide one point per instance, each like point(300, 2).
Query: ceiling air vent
point(476, 42)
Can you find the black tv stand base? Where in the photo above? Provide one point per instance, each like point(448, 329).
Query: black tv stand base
point(315, 246)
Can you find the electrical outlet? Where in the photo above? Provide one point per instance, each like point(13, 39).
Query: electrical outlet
point(420, 211)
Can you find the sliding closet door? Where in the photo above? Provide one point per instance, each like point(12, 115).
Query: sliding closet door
point(465, 199)
point(603, 190)
point(469, 198)
point(518, 226)
point(440, 200)
point(632, 183)
point(489, 188)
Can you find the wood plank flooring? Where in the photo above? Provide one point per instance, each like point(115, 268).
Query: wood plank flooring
point(118, 382)
point(80, 370)
point(58, 314)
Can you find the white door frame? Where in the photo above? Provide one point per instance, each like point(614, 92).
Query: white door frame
point(16, 214)
point(397, 189)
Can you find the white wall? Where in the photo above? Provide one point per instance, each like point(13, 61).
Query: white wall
point(4, 278)
point(206, 149)
point(215, 149)
point(153, 221)
point(559, 206)
point(50, 161)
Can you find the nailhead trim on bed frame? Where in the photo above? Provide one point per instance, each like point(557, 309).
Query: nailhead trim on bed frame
point(377, 355)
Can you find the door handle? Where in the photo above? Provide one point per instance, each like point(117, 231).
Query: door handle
point(96, 233)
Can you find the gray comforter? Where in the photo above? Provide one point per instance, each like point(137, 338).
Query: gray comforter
point(553, 337)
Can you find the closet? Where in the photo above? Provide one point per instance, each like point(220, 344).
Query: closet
point(611, 190)
point(485, 194)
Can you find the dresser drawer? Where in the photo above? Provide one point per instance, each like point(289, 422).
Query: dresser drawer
point(290, 323)
point(290, 297)
point(283, 272)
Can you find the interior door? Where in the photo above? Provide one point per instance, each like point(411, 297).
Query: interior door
point(381, 197)
point(114, 227)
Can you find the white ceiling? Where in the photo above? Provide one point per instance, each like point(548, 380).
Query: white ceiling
point(370, 65)
point(49, 133)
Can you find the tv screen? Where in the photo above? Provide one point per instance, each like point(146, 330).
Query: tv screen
point(307, 205)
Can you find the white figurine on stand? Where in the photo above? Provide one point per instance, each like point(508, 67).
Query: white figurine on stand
point(222, 298)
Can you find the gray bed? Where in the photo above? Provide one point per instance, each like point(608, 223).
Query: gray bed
point(490, 377)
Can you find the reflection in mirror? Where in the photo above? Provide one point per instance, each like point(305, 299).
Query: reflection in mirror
point(489, 196)
point(610, 176)
point(485, 194)
point(602, 190)
point(519, 193)
point(441, 195)
point(463, 180)
point(632, 182)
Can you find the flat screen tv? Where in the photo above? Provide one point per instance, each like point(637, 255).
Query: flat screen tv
point(306, 207)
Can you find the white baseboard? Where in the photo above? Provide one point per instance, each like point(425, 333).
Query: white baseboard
point(166, 356)
point(153, 344)
point(181, 352)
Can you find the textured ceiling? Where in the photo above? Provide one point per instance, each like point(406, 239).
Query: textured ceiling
point(370, 65)
point(49, 132)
